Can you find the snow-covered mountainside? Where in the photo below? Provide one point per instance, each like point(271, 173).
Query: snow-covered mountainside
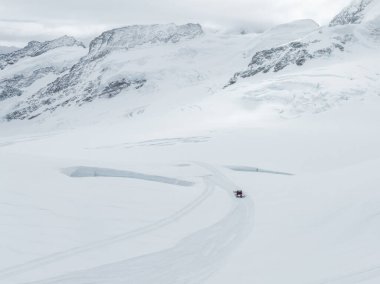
point(283, 34)
point(322, 43)
point(160, 58)
point(357, 12)
point(7, 49)
point(155, 60)
point(36, 48)
point(297, 52)
point(27, 70)
point(93, 78)
point(317, 70)
point(132, 36)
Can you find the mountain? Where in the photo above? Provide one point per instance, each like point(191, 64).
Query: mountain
point(7, 49)
point(317, 44)
point(26, 70)
point(297, 52)
point(132, 36)
point(340, 48)
point(157, 58)
point(139, 64)
point(36, 48)
point(92, 78)
point(357, 12)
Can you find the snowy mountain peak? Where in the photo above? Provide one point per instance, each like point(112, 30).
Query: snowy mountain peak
point(35, 48)
point(64, 41)
point(75, 87)
point(357, 12)
point(303, 25)
point(131, 36)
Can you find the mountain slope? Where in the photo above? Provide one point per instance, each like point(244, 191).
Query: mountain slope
point(161, 64)
point(357, 12)
point(320, 70)
point(27, 70)
point(90, 78)
point(36, 48)
point(7, 49)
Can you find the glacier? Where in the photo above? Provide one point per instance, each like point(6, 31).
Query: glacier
point(118, 160)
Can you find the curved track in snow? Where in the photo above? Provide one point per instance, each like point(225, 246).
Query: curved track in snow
point(191, 260)
point(38, 262)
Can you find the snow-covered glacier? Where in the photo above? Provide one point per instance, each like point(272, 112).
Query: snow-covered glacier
point(119, 161)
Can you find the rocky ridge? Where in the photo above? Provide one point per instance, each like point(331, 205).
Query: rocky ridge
point(75, 87)
point(320, 44)
point(352, 14)
point(36, 48)
point(293, 53)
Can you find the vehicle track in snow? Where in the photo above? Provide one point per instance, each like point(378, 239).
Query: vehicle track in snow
point(192, 260)
point(38, 262)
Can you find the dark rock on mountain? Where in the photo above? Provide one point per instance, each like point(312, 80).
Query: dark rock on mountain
point(294, 53)
point(87, 81)
point(132, 36)
point(13, 86)
point(353, 14)
point(36, 48)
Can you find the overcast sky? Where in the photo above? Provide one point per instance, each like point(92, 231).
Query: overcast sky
point(25, 20)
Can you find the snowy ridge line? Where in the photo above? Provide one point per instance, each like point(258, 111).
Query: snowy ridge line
point(192, 260)
point(258, 170)
point(30, 265)
point(36, 48)
point(83, 171)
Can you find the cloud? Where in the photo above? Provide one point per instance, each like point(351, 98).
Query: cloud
point(18, 32)
point(25, 20)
